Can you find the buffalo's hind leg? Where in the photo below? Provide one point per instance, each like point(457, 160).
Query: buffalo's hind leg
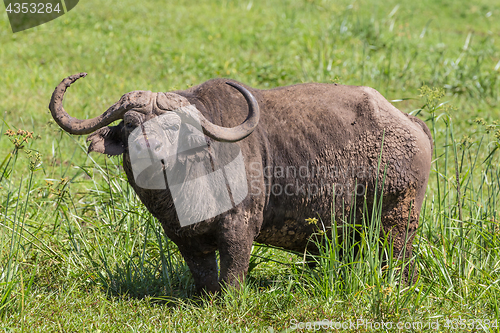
point(400, 221)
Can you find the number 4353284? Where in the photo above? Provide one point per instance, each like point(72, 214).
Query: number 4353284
point(32, 8)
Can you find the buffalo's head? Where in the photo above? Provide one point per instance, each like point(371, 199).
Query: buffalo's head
point(164, 136)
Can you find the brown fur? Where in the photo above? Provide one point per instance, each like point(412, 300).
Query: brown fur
point(334, 128)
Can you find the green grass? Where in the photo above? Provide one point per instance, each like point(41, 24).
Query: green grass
point(78, 251)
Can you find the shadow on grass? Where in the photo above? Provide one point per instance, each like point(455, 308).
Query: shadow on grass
point(153, 269)
point(165, 279)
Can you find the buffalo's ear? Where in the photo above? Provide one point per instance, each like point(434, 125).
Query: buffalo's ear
point(107, 140)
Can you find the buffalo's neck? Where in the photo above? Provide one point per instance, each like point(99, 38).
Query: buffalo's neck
point(158, 202)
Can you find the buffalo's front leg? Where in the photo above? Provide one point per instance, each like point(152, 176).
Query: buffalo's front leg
point(235, 246)
point(203, 267)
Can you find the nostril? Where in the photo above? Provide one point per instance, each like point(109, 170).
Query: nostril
point(155, 145)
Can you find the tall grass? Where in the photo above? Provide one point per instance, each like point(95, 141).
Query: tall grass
point(15, 206)
point(461, 229)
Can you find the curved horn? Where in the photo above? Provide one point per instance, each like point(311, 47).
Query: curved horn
point(235, 133)
point(87, 126)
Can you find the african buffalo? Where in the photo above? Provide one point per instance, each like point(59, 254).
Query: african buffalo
point(278, 156)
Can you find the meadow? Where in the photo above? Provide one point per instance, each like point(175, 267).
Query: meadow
point(78, 251)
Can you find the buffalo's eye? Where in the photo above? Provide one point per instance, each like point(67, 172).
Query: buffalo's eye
point(172, 127)
point(129, 125)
